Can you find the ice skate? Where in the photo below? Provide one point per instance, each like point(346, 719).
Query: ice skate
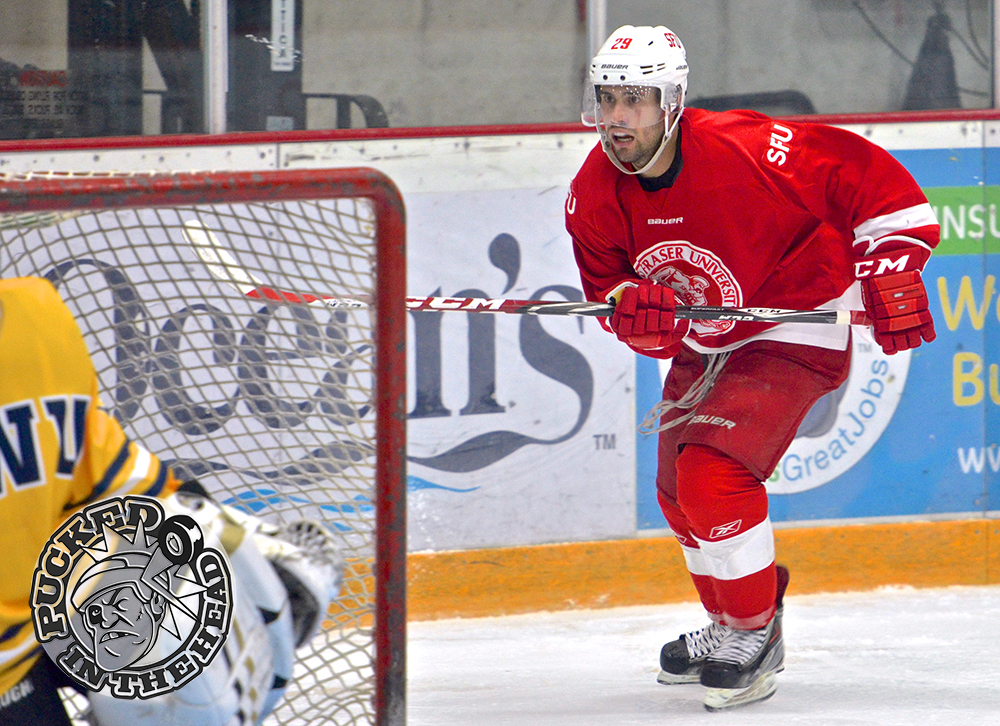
point(681, 660)
point(743, 669)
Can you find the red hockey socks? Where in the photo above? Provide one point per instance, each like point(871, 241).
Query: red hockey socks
point(692, 556)
point(721, 514)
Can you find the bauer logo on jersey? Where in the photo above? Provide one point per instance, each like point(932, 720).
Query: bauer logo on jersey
point(129, 602)
point(697, 276)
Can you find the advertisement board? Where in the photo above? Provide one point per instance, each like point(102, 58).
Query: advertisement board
point(522, 430)
point(910, 435)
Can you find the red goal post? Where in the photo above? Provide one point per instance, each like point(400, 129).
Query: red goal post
point(280, 409)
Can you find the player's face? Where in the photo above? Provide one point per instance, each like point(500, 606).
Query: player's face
point(633, 121)
point(122, 627)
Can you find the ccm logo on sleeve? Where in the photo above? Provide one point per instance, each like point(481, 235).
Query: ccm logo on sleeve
point(866, 268)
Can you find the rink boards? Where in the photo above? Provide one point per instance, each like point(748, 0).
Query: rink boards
point(522, 431)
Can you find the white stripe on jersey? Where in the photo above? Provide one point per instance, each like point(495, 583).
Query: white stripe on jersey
point(874, 244)
point(143, 467)
point(895, 222)
point(746, 553)
point(140, 468)
point(12, 655)
point(831, 337)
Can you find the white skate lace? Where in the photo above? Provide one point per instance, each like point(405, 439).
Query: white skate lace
point(702, 642)
point(691, 398)
point(741, 646)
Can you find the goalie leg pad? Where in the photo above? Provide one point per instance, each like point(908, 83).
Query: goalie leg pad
point(310, 567)
point(244, 681)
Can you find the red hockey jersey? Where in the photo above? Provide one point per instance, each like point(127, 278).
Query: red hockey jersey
point(764, 213)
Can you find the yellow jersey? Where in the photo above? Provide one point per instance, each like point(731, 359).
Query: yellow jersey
point(59, 450)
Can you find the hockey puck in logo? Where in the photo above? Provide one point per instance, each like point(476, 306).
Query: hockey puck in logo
point(181, 540)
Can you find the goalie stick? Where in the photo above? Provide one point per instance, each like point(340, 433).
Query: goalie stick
point(223, 266)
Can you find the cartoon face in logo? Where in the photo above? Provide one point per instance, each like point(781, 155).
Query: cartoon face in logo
point(124, 595)
point(123, 625)
point(122, 592)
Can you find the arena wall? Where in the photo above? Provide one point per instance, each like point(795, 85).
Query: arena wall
point(892, 481)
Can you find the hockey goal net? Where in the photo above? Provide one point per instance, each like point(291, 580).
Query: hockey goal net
point(283, 409)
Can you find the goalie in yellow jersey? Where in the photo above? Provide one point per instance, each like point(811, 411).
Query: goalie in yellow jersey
point(59, 452)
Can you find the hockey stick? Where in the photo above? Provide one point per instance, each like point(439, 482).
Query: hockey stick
point(603, 310)
point(225, 268)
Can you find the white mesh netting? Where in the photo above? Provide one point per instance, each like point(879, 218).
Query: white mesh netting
point(269, 405)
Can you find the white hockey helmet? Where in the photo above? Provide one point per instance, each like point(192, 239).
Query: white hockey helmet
point(641, 56)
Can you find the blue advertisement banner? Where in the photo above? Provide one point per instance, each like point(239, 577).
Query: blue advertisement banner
point(911, 435)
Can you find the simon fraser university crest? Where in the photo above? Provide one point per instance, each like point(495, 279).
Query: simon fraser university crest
point(130, 602)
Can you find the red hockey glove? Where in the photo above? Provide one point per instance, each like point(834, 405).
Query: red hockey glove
point(644, 318)
point(896, 300)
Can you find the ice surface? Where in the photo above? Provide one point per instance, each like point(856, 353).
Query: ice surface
point(891, 657)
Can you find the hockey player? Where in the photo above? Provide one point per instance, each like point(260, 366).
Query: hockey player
point(735, 209)
point(59, 451)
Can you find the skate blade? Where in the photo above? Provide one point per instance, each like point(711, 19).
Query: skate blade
point(673, 679)
point(721, 699)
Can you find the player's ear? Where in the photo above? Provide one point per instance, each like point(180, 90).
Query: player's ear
point(157, 604)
